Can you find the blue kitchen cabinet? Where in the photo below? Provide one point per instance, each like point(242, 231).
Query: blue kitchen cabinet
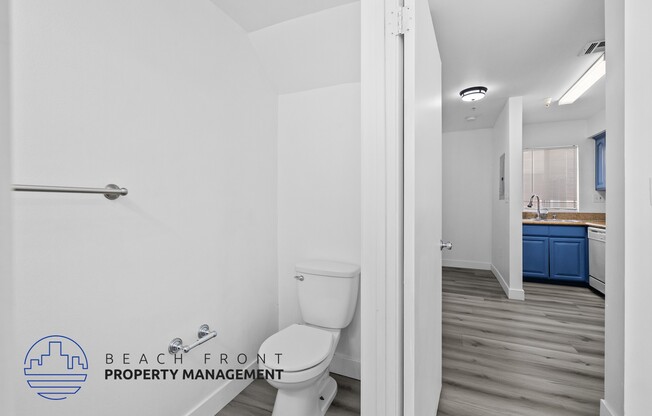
point(568, 259)
point(535, 257)
point(555, 253)
point(600, 162)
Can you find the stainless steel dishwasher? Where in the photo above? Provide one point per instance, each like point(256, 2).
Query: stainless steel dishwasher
point(597, 241)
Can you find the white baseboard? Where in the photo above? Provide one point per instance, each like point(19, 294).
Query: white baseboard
point(466, 264)
point(605, 410)
point(500, 279)
point(515, 294)
point(438, 394)
point(345, 366)
point(217, 400)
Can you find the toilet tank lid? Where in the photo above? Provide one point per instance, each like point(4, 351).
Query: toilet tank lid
point(328, 268)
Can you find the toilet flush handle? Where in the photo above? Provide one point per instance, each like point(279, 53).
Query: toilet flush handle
point(299, 277)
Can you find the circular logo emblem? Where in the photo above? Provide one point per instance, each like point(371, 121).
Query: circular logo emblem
point(55, 367)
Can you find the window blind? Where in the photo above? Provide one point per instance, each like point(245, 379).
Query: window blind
point(551, 173)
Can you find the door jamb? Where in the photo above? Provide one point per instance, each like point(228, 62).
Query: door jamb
point(382, 211)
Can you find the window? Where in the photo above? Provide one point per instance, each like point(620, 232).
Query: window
point(551, 173)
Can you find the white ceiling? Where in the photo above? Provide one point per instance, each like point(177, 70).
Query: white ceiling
point(253, 15)
point(314, 51)
point(523, 48)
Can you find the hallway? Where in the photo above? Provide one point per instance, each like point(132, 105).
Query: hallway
point(540, 357)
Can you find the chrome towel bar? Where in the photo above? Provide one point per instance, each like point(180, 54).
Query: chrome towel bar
point(204, 334)
point(111, 191)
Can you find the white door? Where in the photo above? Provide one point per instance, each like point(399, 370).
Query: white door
point(422, 213)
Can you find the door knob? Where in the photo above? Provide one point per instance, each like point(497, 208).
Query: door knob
point(445, 245)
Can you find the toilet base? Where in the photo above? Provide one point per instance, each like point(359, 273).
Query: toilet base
point(312, 400)
point(327, 393)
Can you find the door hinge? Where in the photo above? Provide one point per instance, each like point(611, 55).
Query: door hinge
point(400, 20)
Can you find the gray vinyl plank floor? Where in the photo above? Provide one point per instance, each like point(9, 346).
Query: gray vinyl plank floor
point(540, 357)
point(258, 399)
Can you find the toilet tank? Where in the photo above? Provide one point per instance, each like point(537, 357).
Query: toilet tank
point(328, 292)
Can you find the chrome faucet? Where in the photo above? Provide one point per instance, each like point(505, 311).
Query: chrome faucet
point(538, 205)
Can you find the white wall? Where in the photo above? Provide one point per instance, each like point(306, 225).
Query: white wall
point(567, 133)
point(614, 399)
point(638, 209)
point(314, 62)
point(468, 176)
point(506, 248)
point(319, 196)
point(629, 178)
point(500, 208)
point(7, 376)
point(313, 51)
point(597, 123)
point(166, 98)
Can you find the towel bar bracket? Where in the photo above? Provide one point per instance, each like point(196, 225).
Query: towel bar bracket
point(175, 346)
point(112, 196)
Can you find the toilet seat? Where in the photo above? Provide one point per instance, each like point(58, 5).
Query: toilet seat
point(303, 347)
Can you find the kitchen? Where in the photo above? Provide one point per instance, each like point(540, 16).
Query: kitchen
point(564, 234)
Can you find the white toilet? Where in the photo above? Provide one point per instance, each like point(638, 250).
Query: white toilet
point(328, 292)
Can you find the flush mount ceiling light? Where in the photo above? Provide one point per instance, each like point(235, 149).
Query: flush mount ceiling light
point(473, 93)
point(586, 81)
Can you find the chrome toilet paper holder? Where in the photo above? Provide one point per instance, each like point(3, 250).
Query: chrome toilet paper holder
point(203, 334)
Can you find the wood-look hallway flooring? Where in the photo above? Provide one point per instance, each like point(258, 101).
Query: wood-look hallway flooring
point(540, 357)
point(258, 399)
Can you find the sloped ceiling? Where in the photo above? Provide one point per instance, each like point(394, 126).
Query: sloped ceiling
point(256, 14)
point(314, 51)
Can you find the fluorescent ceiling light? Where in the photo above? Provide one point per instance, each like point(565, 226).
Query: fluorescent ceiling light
point(590, 77)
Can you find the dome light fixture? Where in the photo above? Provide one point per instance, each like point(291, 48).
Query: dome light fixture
point(473, 93)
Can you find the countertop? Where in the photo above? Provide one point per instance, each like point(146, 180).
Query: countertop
point(581, 223)
point(582, 219)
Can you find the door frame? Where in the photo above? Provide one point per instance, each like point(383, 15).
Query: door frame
point(7, 351)
point(382, 215)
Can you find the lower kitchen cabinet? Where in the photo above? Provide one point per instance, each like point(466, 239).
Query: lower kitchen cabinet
point(555, 253)
point(535, 256)
point(568, 259)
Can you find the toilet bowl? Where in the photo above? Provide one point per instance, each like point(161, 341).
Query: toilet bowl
point(304, 386)
point(328, 294)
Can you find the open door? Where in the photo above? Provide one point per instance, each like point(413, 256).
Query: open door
point(422, 213)
point(401, 210)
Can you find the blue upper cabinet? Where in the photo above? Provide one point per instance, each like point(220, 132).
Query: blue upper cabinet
point(600, 165)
